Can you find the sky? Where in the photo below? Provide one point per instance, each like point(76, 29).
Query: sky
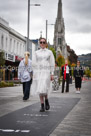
point(76, 14)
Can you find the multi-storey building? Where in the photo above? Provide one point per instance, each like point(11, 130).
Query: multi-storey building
point(13, 44)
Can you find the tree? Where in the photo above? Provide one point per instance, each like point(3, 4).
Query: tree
point(72, 68)
point(87, 72)
point(72, 57)
point(2, 59)
point(54, 52)
point(60, 60)
point(2, 62)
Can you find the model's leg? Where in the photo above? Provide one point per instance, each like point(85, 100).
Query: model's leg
point(42, 103)
point(47, 106)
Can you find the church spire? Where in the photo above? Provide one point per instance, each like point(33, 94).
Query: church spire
point(59, 14)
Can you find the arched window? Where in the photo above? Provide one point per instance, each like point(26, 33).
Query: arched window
point(14, 47)
point(6, 43)
point(10, 45)
point(2, 42)
point(17, 47)
point(20, 50)
point(59, 40)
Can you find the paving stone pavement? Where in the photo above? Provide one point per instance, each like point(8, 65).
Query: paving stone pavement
point(76, 123)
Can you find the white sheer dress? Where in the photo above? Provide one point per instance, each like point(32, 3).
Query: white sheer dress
point(43, 65)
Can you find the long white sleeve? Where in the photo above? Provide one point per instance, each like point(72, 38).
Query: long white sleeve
point(52, 63)
point(34, 60)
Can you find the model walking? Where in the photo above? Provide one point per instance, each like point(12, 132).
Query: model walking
point(43, 63)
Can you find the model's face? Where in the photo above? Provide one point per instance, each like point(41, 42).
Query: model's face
point(66, 61)
point(42, 43)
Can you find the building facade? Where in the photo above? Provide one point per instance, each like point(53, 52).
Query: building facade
point(59, 33)
point(13, 44)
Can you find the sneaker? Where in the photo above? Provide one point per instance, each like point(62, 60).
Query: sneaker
point(77, 92)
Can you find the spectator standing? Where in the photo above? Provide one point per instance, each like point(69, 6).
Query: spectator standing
point(66, 74)
point(78, 75)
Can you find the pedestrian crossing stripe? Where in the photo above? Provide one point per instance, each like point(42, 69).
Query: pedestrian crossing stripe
point(16, 131)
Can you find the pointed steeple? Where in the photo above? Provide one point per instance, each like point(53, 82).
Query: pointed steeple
point(59, 14)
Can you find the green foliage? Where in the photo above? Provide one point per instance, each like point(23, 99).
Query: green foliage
point(6, 84)
point(87, 72)
point(1, 74)
point(2, 59)
point(72, 57)
point(72, 68)
point(60, 60)
point(54, 52)
point(2, 62)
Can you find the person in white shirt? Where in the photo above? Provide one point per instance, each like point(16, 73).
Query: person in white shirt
point(25, 75)
point(43, 64)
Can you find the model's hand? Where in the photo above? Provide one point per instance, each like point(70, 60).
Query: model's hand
point(52, 77)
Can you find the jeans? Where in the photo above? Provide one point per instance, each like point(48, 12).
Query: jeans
point(26, 89)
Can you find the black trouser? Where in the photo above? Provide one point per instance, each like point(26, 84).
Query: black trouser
point(78, 82)
point(26, 89)
point(67, 83)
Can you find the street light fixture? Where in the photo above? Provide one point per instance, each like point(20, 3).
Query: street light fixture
point(47, 28)
point(35, 5)
point(28, 23)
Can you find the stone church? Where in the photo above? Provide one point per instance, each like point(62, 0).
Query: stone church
point(59, 33)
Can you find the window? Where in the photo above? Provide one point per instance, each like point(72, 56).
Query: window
point(20, 50)
point(23, 49)
point(14, 47)
point(17, 47)
point(2, 42)
point(6, 43)
point(10, 45)
point(59, 41)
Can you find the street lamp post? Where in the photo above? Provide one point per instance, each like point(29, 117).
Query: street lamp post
point(47, 28)
point(28, 22)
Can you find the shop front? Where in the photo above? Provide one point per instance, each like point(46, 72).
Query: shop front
point(10, 70)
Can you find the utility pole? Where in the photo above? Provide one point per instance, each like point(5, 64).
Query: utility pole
point(46, 28)
point(28, 23)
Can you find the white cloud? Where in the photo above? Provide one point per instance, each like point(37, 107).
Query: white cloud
point(81, 43)
point(76, 13)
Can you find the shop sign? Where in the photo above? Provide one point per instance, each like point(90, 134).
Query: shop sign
point(18, 58)
point(10, 57)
